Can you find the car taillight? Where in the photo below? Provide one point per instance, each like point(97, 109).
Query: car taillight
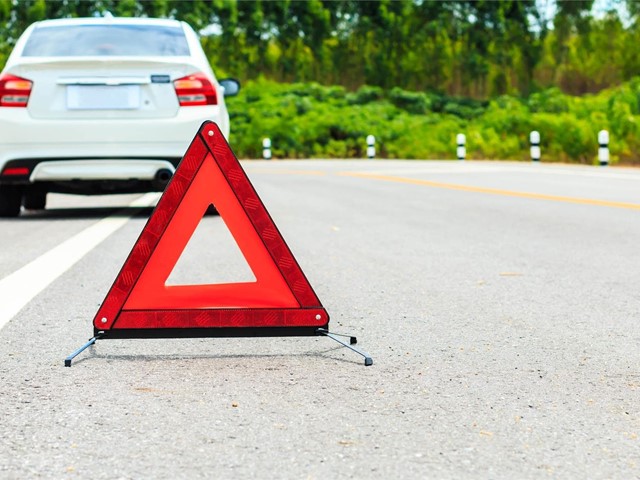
point(14, 91)
point(15, 171)
point(195, 89)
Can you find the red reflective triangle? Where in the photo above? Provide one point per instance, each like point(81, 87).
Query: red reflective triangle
point(209, 174)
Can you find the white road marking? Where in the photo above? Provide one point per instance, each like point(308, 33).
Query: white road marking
point(20, 287)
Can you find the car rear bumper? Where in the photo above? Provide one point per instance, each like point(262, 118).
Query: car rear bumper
point(25, 138)
point(90, 176)
point(126, 169)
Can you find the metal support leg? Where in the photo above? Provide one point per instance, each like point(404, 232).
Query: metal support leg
point(352, 341)
point(67, 361)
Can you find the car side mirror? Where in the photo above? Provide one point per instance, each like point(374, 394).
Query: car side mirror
point(230, 86)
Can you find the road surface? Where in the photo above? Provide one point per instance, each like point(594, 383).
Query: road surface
point(500, 303)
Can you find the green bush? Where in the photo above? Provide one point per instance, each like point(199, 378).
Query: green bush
point(412, 102)
point(310, 120)
point(365, 94)
point(551, 100)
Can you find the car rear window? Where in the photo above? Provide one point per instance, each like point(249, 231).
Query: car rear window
point(106, 40)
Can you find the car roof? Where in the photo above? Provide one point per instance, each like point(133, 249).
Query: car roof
point(66, 22)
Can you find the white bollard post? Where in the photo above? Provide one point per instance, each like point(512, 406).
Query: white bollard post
point(603, 150)
point(461, 151)
point(371, 146)
point(266, 148)
point(534, 138)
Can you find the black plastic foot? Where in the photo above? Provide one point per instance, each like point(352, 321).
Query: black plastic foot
point(368, 361)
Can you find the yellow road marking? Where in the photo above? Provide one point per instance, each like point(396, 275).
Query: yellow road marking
point(495, 191)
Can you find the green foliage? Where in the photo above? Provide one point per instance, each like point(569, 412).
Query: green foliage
point(412, 102)
point(565, 138)
point(551, 101)
point(321, 75)
point(309, 120)
point(365, 94)
point(459, 48)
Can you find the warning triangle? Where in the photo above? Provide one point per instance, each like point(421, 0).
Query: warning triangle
point(140, 303)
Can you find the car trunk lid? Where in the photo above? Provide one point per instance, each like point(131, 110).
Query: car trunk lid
point(103, 89)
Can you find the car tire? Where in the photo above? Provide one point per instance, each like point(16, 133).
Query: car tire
point(10, 200)
point(34, 199)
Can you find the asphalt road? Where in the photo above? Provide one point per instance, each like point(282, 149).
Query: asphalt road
point(500, 303)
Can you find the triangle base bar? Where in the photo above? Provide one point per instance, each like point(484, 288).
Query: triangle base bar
point(116, 334)
point(123, 334)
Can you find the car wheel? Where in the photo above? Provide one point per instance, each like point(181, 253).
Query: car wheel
point(10, 200)
point(34, 199)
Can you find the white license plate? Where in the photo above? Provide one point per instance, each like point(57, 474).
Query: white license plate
point(103, 97)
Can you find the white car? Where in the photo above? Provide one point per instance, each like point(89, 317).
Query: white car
point(102, 105)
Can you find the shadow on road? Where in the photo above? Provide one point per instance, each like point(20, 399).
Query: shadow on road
point(81, 213)
point(91, 354)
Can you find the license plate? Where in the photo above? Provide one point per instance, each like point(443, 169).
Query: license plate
point(103, 97)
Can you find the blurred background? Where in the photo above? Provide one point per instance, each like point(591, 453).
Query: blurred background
point(319, 76)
